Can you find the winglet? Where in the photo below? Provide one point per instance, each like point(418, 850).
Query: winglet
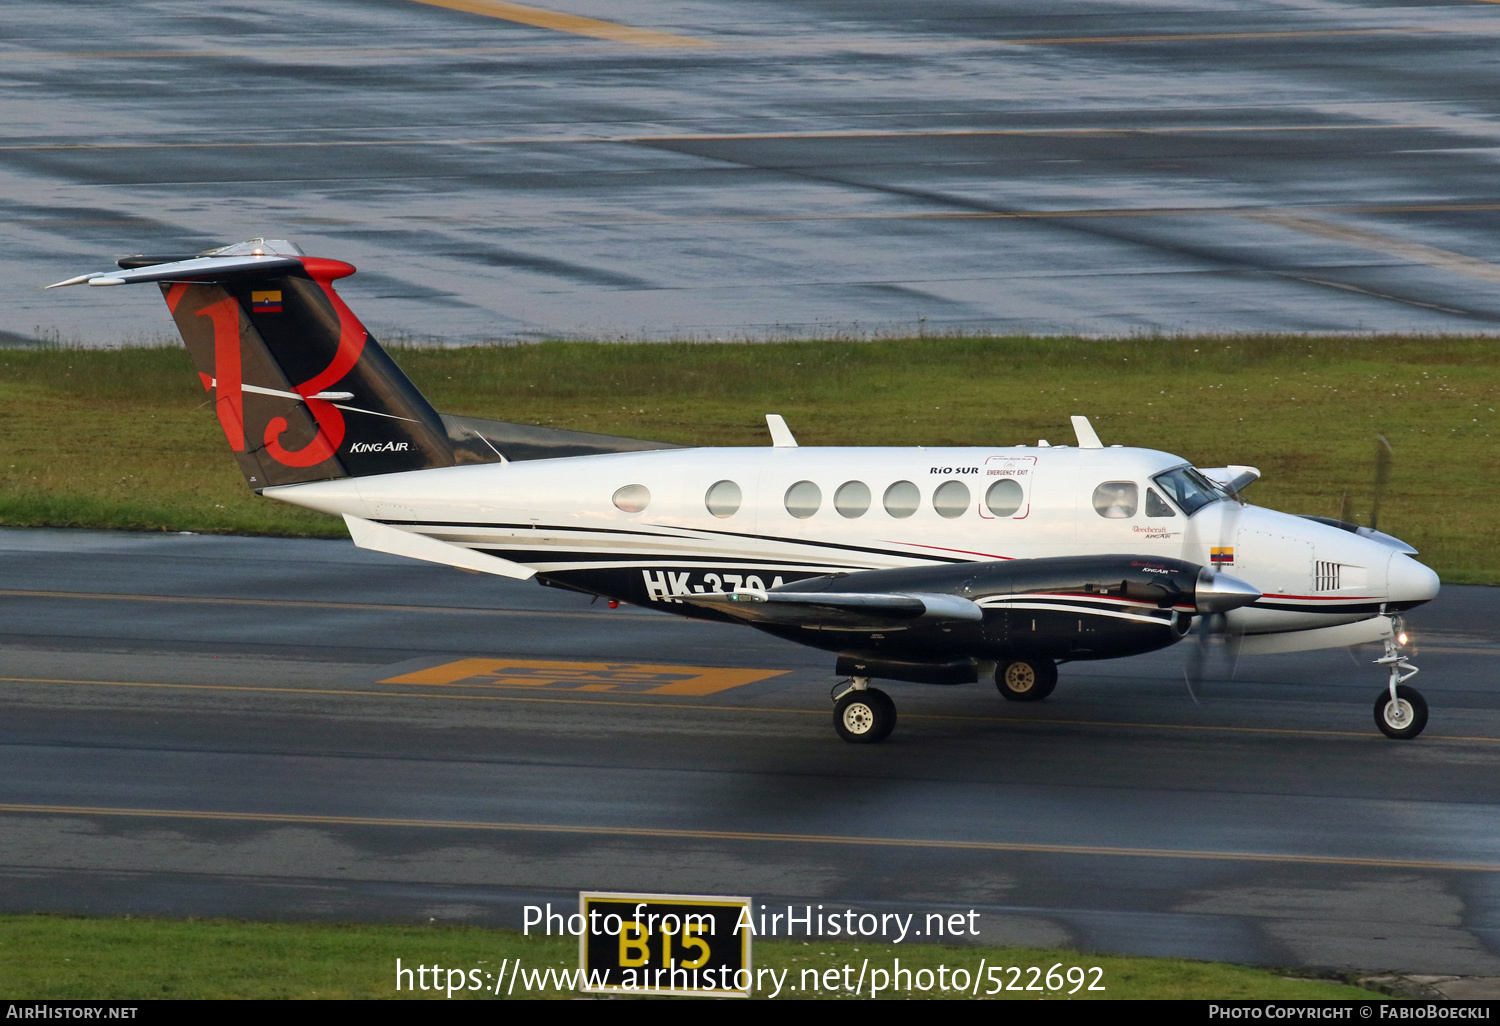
point(781, 435)
point(1087, 438)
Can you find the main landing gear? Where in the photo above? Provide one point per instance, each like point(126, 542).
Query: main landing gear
point(1026, 680)
point(1400, 711)
point(862, 714)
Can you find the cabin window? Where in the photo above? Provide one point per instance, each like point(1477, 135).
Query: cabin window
point(1156, 506)
point(632, 498)
point(803, 499)
point(951, 499)
point(901, 499)
point(852, 499)
point(723, 499)
point(1116, 500)
point(1004, 497)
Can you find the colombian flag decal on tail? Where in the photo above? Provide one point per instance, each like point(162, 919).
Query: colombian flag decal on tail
point(265, 302)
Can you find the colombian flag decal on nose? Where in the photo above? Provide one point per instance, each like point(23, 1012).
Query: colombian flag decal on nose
point(265, 302)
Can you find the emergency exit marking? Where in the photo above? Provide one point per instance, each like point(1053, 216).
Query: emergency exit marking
point(637, 678)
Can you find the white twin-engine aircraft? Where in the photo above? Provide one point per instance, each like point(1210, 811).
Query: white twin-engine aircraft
point(940, 565)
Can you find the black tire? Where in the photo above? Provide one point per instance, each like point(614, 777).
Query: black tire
point(1401, 724)
point(864, 717)
point(1026, 680)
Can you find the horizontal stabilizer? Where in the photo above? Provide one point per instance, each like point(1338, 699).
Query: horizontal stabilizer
point(840, 610)
point(380, 538)
point(196, 269)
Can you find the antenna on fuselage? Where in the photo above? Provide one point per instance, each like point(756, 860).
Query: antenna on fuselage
point(1088, 438)
point(781, 435)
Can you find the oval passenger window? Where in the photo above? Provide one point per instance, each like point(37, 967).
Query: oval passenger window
point(1116, 500)
point(723, 499)
point(852, 499)
point(803, 499)
point(632, 498)
point(901, 499)
point(1004, 497)
point(951, 499)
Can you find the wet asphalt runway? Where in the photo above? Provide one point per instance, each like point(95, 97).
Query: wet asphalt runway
point(759, 169)
point(271, 728)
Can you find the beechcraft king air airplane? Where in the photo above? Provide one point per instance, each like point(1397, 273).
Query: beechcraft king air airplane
point(933, 565)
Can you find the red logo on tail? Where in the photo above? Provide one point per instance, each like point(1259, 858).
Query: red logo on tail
point(228, 381)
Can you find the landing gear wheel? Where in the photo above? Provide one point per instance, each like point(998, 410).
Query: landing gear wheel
point(864, 716)
point(1026, 680)
point(1405, 717)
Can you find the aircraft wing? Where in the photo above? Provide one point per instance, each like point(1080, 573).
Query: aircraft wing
point(834, 611)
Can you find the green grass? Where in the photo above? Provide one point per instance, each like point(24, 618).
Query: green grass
point(52, 957)
point(122, 438)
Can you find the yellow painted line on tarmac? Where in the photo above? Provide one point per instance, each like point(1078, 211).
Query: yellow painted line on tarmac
point(1401, 249)
point(942, 133)
point(1192, 37)
point(1202, 728)
point(910, 215)
point(373, 607)
point(437, 694)
point(556, 20)
point(302, 819)
point(529, 140)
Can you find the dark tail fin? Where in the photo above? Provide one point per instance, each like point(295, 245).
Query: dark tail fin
point(301, 389)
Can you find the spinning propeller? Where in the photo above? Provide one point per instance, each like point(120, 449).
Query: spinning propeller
point(1213, 640)
point(1377, 492)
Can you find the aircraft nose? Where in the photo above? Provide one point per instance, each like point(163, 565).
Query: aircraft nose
point(1219, 593)
point(1409, 583)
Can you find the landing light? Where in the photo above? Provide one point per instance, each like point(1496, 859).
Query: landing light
point(1401, 638)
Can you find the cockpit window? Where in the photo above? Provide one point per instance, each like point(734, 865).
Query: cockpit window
point(1189, 489)
point(1116, 499)
point(1156, 506)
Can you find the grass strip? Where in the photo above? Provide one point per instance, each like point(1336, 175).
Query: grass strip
point(64, 958)
point(124, 438)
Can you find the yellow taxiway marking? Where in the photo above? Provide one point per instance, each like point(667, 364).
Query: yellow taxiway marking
point(438, 694)
point(1085, 213)
point(578, 26)
point(854, 134)
point(749, 835)
point(373, 607)
point(638, 678)
point(1202, 728)
point(1191, 37)
point(1401, 249)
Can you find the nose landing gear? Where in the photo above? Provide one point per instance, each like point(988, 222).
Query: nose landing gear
point(1400, 711)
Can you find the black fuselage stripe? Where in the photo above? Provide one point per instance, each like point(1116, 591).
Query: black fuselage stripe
point(644, 560)
point(677, 537)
